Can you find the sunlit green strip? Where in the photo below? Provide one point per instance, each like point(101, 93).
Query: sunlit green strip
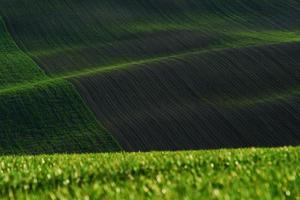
point(276, 96)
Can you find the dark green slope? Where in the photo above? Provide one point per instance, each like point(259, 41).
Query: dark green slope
point(47, 118)
point(232, 98)
point(67, 35)
point(164, 74)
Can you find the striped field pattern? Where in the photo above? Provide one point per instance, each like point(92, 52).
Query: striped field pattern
point(142, 75)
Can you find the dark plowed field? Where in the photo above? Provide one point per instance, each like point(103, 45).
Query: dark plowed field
point(232, 98)
point(67, 35)
point(148, 74)
point(158, 44)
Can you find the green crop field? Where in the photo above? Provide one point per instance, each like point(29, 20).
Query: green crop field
point(89, 76)
point(108, 78)
point(221, 174)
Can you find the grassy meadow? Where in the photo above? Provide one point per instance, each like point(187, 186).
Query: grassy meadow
point(272, 173)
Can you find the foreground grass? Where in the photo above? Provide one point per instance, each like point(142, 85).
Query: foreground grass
point(225, 174)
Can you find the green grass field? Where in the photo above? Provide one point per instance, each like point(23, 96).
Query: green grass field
point(220, 174)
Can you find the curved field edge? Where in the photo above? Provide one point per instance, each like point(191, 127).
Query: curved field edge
point(49, 118)
point(271, 96)
point(263, 101)
point(272, 173)
point(130, 65)
point(16, 66)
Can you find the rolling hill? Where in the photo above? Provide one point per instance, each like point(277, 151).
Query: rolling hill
point(111, 75)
